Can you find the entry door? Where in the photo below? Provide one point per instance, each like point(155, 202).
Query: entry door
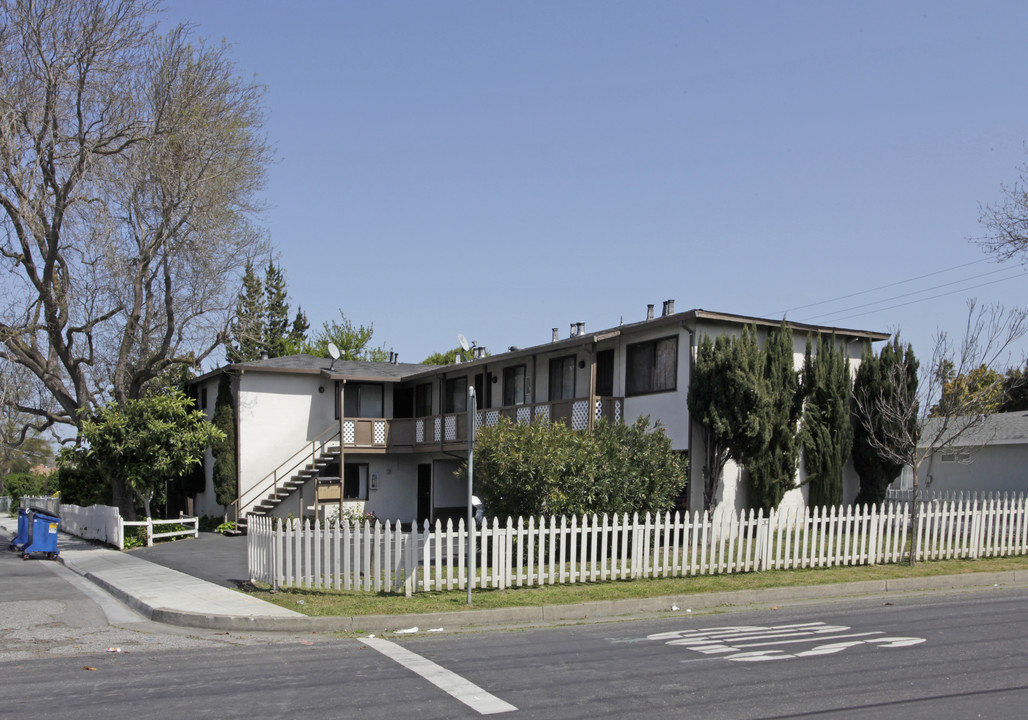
point(424, 493)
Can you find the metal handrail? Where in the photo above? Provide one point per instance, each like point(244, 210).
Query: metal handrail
point(294, 461)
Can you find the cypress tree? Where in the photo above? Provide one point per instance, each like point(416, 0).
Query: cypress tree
point(772, 469)
point(826, 435)
point(882, 381)
point(224, 450)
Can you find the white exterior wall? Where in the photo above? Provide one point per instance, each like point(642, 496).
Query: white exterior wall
point(278, 413)
point(670, 408)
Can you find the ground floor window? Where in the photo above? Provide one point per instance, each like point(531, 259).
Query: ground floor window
point(355, 481)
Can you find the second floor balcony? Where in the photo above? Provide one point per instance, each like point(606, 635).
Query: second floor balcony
point(445, 431)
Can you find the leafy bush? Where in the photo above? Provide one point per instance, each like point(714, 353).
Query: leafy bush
point(26, 484)
point(542, 468)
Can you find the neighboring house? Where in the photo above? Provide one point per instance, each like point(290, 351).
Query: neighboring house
point(990, 458)
point(389, 437)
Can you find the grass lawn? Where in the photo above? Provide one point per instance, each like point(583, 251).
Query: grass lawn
point(327, 602)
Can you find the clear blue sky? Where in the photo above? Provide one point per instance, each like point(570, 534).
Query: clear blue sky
point(499, 169)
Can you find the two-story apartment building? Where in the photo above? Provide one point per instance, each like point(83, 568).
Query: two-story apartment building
point(314, 434)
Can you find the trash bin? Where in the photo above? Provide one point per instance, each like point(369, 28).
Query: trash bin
point(23, 529)
point(42, 535)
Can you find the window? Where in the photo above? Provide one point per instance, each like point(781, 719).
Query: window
point(355, 481)
point(514, 385)
point(203, 398)
point(562, 378)
point(423, 400)
point(362, 400)
point(652, 366)
point(605, 373)
point(456, 400)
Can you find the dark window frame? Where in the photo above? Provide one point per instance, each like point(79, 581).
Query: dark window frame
point(660, 373)
point(450, 406)
point(423, 400)
point(348, 480)
point(510, 385)
point(556, 380)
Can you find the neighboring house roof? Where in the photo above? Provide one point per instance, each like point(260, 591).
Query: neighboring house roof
point(1010, 428)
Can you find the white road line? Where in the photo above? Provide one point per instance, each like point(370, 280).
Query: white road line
point(467, 692)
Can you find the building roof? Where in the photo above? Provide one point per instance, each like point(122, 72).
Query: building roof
point(394, 372)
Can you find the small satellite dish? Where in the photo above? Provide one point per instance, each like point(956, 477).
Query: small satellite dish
point(463, 342)
point(333, 351)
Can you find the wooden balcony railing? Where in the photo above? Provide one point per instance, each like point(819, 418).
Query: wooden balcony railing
point(427, 433)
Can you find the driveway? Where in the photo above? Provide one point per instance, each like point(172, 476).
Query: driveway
point(220, 559)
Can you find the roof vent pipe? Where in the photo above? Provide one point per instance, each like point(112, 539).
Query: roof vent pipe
point(396, 357)
point(581, 328)
point(669, 308)
point(649, 312)
point(574, 329)
point(556, 335)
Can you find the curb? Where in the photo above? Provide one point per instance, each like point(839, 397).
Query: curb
point(600, 610)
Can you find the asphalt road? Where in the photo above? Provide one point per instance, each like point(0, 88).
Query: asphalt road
point(220, 559)
point(934, 656)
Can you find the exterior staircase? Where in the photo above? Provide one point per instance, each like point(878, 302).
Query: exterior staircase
point(282, 489)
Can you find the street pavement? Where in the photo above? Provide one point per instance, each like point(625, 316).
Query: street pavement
point(189, 583)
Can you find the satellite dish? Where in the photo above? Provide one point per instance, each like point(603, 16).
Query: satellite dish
point(463, 342)
point(333, 351)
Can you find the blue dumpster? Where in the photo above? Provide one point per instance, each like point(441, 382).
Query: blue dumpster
point(42, 535)
point(23, 529)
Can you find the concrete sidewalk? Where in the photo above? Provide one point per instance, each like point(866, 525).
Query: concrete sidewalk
point(169, 596)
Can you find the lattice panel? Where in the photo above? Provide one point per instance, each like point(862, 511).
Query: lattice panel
point(524, 414)
point(617, 411)
point(542, 412)
point(349, 431)
point(479, 419)
point(599, 410)
point(380, 432)
point(580, 415)
point(492, 417)
point(438, 429)
point(419, 431)
point(451, 428)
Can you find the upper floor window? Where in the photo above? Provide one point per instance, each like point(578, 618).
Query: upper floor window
point(456, 395)
point(514, 385)
point(362, 400)
point(562, 378)
point(423, 400)
point(652, 366)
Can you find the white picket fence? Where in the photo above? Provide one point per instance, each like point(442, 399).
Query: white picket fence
point(383, 556)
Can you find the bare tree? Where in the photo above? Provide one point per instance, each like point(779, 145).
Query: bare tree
point(917, 427)
point(129, 166)
point(1007, 222)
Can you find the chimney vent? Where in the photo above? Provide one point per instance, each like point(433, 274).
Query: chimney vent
point(649, 312)
point(574, 329)
point(581, 328)
point(669, 308)
point(556, 335)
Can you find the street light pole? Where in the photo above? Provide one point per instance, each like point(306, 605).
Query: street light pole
point(472, 413)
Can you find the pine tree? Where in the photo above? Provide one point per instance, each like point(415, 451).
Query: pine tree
point(247, 331)
point(826, 436)
point(276, 311)
point(262, 327)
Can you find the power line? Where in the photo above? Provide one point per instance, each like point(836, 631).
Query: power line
point(917, 292)
point(881, 287)
point(919, 300)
